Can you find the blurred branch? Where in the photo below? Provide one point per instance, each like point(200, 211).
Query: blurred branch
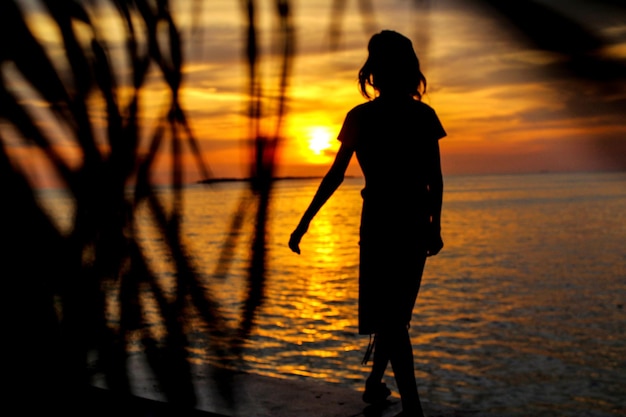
point(76, 274)
point(338, 9)
point(547, 29)
point(582, 60)
point(264, 150)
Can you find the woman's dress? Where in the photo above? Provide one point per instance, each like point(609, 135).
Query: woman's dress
point(395, 140)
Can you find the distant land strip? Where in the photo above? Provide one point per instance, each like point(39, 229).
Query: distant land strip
point(233, 179)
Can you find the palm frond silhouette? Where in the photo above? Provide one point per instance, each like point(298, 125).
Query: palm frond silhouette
point(64, 282)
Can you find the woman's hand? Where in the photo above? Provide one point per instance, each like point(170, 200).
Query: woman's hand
point(296, 237)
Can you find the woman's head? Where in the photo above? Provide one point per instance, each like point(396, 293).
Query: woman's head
point(392, 66)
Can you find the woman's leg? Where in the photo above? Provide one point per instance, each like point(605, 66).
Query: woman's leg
point(397, 343)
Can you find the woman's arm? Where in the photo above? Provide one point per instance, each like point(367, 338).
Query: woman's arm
point(435, 200)
point(327, 187)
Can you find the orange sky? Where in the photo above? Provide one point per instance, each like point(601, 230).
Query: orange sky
point(503, 105)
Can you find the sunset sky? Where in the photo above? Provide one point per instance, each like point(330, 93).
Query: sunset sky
point(504, 106)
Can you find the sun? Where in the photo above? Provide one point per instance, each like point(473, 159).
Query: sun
point(320, 139)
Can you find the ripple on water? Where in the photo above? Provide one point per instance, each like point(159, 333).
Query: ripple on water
point(519, 315)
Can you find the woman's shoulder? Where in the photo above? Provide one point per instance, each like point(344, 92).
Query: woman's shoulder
point(419, 104)
point(362, 108)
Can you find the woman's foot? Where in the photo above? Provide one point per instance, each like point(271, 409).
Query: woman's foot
point(376, 393)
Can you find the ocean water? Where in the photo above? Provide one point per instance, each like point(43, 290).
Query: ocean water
point(521, 314)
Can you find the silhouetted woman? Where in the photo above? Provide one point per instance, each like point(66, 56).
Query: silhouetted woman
point(395, 138)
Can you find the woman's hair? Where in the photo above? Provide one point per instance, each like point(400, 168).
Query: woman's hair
point(392, 66)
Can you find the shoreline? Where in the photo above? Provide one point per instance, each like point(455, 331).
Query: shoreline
point(254, 396)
